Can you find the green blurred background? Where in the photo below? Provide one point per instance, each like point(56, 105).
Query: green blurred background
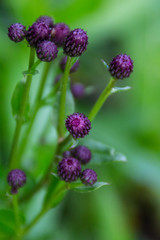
point(129, 209)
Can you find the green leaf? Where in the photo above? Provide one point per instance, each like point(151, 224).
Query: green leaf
point(101, 153)
point(79, 187)
point(120, 89)
point(74, 60)
point(17, 100)
point(30, 72)
point(55, 175)
point(105, 64)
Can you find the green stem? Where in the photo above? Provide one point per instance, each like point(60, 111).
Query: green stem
point(36, 108)
point(19, 123)
point(104, 95)
point(42, 83)
point(16, 212)
point(63, 97)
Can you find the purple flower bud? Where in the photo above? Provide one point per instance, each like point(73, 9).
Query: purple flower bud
point(37, 33)
point(121, 66)
point(63, 65)
point(75, 43)
point(69, 169)
point(59, 33)
point(78, 125)
point(88, 177)
point(47, 20)
point(16, 179)
point(78, 90)
point(46, 51)
point(16, 32)
point(82, 153)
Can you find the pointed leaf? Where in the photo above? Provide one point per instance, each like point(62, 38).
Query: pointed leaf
point(105, 64)
point(30, 72)
point(120, 89)
point(84, 189)
point(74, 60)
point(101, 153)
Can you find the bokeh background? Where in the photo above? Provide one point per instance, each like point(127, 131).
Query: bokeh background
point(129, 209)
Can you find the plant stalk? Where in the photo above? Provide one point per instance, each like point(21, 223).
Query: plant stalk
point(63, 97)
point(104, 95)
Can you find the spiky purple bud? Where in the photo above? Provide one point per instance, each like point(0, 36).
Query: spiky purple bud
point(16, 179)
point(69, 169)
point(121, 66)
point(63, 65)
point(38, 32)
point(47, 20)
point(78, 90)
point(16, 32)
point(59, 33)
point(88, 177)
point(75, 43)
point(78, 125)
point(46, 51)
point(82, 153)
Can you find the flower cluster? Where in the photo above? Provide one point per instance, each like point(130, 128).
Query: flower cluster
point(46, 37)
point(69, 169)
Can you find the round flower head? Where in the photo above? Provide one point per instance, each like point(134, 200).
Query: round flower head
point(16, 32)
point(78, 125)
point(47, 20)
point(78, 90)
point(75, 43)
point(88, 177)
point(69, 169)
point(38, 32)
point(63, 65)
point(46, 51)
point(121, 66)
point(82, 153)
point(59, 33)
point(16, 179)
